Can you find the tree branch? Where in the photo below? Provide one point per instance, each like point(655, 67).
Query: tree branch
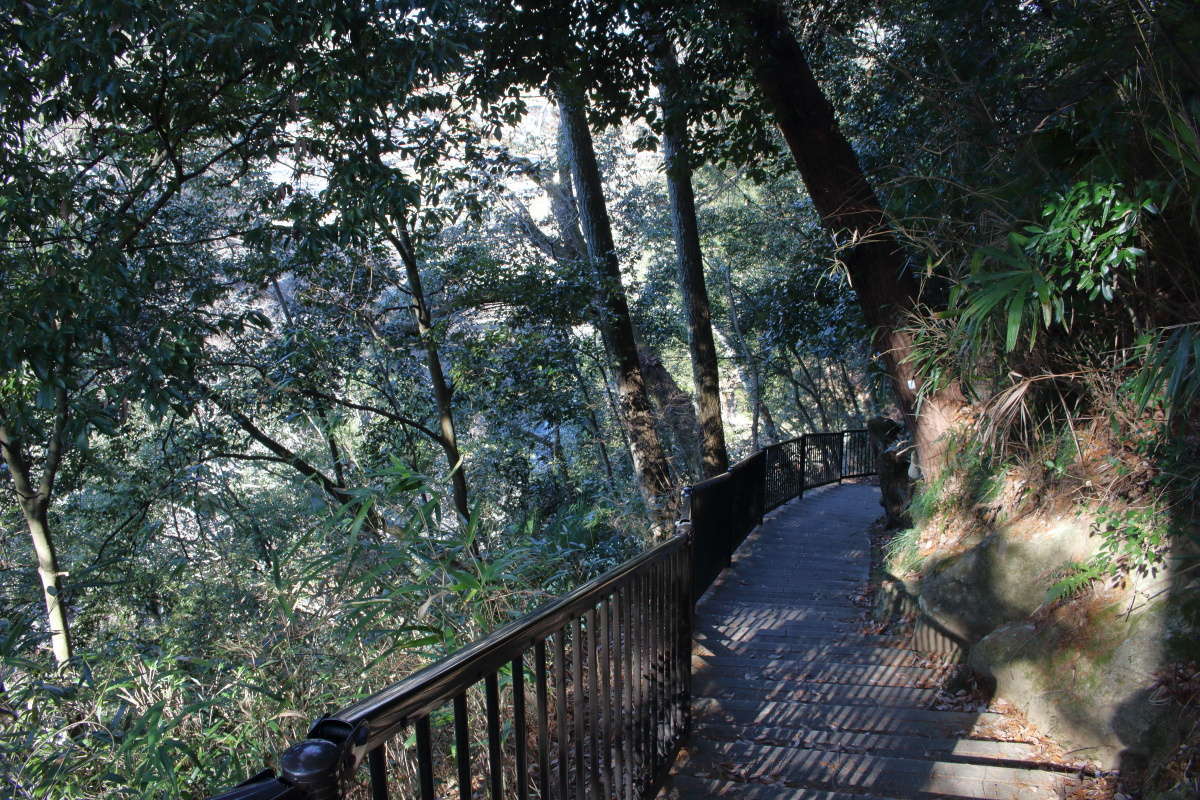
point(285, 455)
point(383, 412)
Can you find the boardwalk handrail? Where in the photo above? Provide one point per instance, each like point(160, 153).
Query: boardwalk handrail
point(608, 665)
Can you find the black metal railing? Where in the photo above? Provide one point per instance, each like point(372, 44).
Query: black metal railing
point(587, 697)
point(723, 510)
point(858, 455)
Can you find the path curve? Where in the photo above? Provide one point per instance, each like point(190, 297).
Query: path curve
point(794, 699)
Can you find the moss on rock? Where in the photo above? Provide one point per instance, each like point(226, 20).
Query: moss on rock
point(1085, 682)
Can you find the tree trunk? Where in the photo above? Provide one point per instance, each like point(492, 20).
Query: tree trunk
point(562, 199)
point(35, 506)
point(442, 395)
point(614, 407)
point(36, 519)
point(752, 377)
point(678, 417)
point(770, 431)
point(677, 154)
point(848, 206)
point(799, 401)
point(675, 409)
point(852, 392)
point(649, 460)
point(560, 459)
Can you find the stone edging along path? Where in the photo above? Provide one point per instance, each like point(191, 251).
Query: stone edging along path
point(796, 697)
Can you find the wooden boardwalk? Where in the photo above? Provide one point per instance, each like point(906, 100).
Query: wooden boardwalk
point(793, 700)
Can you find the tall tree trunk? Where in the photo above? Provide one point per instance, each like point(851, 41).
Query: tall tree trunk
point(397, 234)
point(614, 407)
point(37, 520)
point(562, 198)
point(879, 273)
point(675, 409)
point(752, 376)
point(852, 392)
point(35, 506)
point(677, 153)
point(649, 460)
point(770, 430)
point(569, 246)
point(679, 418)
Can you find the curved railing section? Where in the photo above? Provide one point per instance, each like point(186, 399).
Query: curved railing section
point(589, 695)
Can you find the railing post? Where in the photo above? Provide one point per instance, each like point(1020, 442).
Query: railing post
point(841, 455)
point(760, 491)
point(683, 525)
point(803, 463)
point(315, 767)
point(684, 528)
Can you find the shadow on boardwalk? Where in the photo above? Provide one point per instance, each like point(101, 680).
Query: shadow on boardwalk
point(794, 698)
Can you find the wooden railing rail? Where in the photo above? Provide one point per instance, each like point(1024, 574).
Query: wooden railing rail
point(586, 697)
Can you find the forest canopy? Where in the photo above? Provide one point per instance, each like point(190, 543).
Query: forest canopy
point(336, 333)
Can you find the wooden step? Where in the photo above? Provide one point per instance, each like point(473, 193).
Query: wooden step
point(817, 672)
point(787, 631)
point(737, 689)
point(829, 693)
point(1023, 754)
point(773, 617)
point(890, 776)
point(840, 717)
point(688, 787)
point(849, 637)
point(788, 652)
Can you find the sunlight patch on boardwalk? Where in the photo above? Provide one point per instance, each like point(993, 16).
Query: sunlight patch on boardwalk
point(793, 699)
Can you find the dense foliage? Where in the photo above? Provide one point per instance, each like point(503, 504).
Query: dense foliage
point(303, 374)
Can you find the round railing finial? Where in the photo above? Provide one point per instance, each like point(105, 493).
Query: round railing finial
point(313, 765)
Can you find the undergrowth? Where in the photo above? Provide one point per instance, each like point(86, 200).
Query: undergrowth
point(901, 553)
point(338, 613)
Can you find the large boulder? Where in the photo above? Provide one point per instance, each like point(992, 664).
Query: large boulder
point(1086, 684)
point(1081, 669)
point(1005, 577)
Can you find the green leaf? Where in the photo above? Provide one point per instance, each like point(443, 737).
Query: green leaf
point(1016, 310)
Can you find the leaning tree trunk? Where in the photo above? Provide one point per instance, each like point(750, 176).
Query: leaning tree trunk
point(848, 206)
point(677, 153)
point(649, 459)
point(37, 520)
point(35, 506)
point(571, 246)
point(852, 393)
point(442, 396)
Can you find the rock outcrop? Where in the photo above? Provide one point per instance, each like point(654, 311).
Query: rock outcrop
point(1082, 669)
point(1003, 578)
